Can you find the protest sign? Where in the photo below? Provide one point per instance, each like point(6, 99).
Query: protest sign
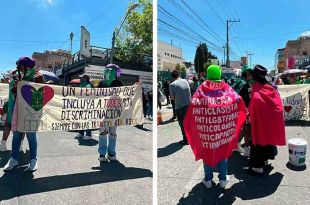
point(295, 100)
point(213, 121)
point(4, 93)
point(52, 108)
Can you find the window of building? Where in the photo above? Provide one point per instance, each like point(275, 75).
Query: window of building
point(304, 53)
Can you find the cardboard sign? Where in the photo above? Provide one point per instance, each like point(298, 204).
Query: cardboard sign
point(295, 100)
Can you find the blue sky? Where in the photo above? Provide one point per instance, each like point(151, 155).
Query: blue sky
point(37, 25)
point(264, 26)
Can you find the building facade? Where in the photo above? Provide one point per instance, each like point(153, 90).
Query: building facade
point(168, 56)
point(49, 60)
point(280, 60)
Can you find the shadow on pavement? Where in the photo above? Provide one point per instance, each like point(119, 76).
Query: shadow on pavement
point(296, 168)
point(167, 122)
point(140, 127)
point(301, 123)
point(19, 183)
point(247, 187)
point(5, 156)
point(91, 142)
point(169, 149)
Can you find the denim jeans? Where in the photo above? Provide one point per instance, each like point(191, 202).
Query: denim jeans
point(107, 142)
point(222, 169)
point(17, 139)
point(88, 132)
point(149, 110)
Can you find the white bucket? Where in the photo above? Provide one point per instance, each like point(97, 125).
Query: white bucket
point(297, 149)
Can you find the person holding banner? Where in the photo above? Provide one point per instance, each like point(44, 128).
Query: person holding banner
point(267, 121)
point(180, 93)
point(107, 135)
point(85, 83)
point(212, 124)
point(26, 72)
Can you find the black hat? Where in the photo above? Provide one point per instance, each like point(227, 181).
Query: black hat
point(260, 74)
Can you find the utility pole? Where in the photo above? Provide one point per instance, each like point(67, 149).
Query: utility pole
point(224, 55)
point(227, 40)
point(248, 53)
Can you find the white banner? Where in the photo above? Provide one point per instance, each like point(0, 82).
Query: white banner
point(295, 101)
point(96, 73)
point(43, 107)
point(4, 93)
point(85, 42)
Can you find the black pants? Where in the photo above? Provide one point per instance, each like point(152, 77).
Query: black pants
point(158, 103)
point(259, 154)
point(168, 98)
point(173, 108)
point(180, 116)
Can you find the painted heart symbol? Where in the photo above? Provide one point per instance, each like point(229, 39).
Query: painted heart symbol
point(37, 98)
point(287, 108)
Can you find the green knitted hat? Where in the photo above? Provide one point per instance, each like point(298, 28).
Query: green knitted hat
point(214, 73)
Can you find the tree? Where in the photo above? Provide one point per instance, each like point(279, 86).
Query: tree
point(135, 41)
point(201, 57)
point(188, 64)
point(183, 69)
point(178, 67)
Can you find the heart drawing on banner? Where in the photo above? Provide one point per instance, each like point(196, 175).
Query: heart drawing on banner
point(287, 108)
point(37, 98)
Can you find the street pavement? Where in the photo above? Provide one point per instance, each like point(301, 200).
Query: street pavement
point(69, 171)
point(180, 176)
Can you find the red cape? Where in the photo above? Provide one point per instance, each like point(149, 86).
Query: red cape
point(213, 122)
point(266, 116)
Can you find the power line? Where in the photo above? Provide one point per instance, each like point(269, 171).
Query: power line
point(195, 33)
point(214, 34)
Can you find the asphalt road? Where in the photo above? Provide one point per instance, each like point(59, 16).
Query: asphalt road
point(180, 176)
point(69, 172)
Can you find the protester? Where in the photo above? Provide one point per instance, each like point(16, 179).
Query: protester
point(180, 93)
point(26, 72)
point(243, 88)
point(149, 111)
point(107, 135)
point(166, 91)
point(221, 112)
point(267, 121)
point(195, 85)
point(85, 83)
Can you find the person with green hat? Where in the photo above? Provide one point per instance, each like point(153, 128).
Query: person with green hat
point(207, 127)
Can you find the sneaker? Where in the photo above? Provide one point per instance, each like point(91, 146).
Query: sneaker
point(78, 136)
point(183, 142)
point(21, 148)
point(32, 167)
point(112, 158)
point(223, 183)
point(258, 170)
point(3, 146)
point(10, 165)
point(246, 152)
point(87, 138)
point(239, 149)
point(208, 184)
point(102, 158)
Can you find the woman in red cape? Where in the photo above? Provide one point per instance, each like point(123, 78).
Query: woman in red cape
point(218, 143)
point(267, 120)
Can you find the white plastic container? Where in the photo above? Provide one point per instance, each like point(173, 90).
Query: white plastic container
point(297, 148)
